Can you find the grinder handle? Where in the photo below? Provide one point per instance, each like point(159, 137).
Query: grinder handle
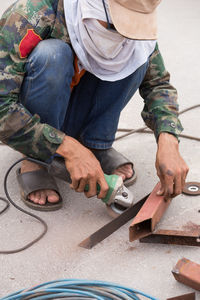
point(112, 181)
point(58, 169)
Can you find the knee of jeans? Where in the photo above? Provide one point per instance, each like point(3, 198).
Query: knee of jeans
point(51, 54)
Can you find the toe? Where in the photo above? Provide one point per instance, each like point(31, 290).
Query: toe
point(37, 197)
point(119, 173)
point(52, 196)
point(43, 198)
point(125, 171)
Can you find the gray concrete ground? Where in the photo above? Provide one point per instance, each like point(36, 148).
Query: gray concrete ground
point(146, 267)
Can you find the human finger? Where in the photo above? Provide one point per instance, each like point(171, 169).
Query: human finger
point(160, 192)
point(103, 188)
point(75, 183)
point(92, 191)
point(161, 177)
point(183, 178)
point(168, 187)
point(82, 184)
point(177, 185)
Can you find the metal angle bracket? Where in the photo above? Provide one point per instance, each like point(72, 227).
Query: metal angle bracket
point(174, 237)
point(149, 215)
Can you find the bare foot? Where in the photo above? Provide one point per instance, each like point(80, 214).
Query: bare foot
point(40, 196)
point(125, 171)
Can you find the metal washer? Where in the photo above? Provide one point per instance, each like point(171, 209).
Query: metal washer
point(192, 188)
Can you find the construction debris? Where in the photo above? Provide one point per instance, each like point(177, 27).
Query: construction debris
point(190, 296)
point(188, 273)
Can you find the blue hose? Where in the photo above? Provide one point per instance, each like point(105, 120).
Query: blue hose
point(78, 289)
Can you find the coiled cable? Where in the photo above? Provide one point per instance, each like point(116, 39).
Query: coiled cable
point(77, 289)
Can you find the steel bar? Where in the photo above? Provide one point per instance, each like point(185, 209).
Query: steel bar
point(188, 273)
point(111, 227)
point(190, 296)
point(174, 237)
point(149, 215)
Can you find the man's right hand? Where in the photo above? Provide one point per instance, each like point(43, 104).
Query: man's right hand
point(83, 167)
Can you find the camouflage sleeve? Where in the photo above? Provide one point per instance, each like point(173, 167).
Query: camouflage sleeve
point(22, 27)
point(160, 112)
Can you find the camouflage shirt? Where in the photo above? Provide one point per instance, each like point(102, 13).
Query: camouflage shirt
point(22, 27)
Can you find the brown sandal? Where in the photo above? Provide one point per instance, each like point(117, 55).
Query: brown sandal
point(110, 160)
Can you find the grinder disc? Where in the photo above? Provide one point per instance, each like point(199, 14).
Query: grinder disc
point(192, 188)
point(114, 210)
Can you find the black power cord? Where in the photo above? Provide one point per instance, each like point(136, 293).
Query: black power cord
point(10, 201)
point(146, 130)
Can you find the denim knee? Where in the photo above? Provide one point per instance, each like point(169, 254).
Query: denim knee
point(46, 86)
point(55, 57)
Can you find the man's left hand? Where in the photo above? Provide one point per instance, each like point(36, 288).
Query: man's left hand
point(171, 168)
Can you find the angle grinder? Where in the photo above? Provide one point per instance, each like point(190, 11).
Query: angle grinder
point(118, 197)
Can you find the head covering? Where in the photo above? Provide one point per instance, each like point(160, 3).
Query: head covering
point(135, 19)
point(106, 54)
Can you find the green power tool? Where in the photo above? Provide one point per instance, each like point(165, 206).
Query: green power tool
point(118, 197)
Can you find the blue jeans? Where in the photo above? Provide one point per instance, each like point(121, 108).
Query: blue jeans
point(90, 113)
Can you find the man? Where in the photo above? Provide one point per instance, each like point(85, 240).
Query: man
point(68, 68)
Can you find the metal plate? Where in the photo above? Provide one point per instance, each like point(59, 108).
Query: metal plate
point(192, 188)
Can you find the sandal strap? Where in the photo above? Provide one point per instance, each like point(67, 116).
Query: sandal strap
point(36, 180)
point(110, 159)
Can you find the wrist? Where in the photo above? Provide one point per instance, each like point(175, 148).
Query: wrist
point(68, 146)
point(166, 138)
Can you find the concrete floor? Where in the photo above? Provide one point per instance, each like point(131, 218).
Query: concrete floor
point(145, 267)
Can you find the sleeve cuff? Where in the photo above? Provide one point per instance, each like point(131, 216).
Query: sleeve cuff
point(168, 125)
point(48, 142)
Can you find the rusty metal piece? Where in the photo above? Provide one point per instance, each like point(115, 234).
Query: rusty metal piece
point(190, 296)
point(174, 237)
point(149, 215)
point(111, 227)
point(188, 273)
point(192, 188)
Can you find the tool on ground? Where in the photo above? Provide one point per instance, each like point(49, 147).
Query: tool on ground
point(118, 197)
point(192, 188)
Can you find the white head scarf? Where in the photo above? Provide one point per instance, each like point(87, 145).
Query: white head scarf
point(104, 53)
